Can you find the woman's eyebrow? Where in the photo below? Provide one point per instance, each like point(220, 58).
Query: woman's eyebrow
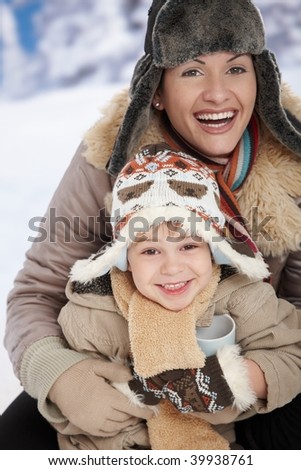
point(232, 58)
point(236, 56)
point(200, 61)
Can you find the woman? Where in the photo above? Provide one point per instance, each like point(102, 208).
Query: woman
point(207, 85)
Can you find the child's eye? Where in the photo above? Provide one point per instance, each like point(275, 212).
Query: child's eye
point(150, 251)
point(189, 247)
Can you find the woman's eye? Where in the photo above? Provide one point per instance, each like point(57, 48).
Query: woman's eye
point(236, 70)
point(192, 73)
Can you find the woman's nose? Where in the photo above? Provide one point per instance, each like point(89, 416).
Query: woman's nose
point(216, 90)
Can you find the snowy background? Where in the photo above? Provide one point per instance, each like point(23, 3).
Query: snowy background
point(60, 62)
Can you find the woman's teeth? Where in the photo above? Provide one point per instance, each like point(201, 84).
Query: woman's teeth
point(215, 119)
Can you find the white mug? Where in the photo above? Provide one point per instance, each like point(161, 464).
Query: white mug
point(218, 334)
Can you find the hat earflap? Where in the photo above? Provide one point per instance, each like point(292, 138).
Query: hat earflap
point(136, 119)
point(285, 127)
point(115, 254)
point(224, 253)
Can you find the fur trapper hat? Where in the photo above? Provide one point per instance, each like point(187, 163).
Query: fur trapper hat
point(162, 185)
point(181, 30)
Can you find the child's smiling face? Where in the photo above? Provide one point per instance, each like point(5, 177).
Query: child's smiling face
point(169, 268)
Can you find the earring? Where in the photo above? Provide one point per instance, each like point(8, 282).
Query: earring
point(157, 105)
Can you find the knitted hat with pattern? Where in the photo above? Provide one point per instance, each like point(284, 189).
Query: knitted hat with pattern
point(161, 185)
point(179, 31)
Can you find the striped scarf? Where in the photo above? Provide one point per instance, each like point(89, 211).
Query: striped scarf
point(230, 173)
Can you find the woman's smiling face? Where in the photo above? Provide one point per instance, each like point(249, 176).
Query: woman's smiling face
point(210, 100)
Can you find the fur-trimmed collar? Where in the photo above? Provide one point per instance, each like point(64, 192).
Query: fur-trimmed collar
point(267, 198)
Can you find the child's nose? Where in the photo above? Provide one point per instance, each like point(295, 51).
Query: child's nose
point(172, 264)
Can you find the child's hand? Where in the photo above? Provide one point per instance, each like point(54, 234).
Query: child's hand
point(201, 389)
point(187, 389)
point(223, 381)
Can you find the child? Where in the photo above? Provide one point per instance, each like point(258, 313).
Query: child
point(171, 267)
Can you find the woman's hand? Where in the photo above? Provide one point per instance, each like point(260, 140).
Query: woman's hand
point(85, 397)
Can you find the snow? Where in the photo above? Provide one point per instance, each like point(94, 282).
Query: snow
point(76, 41)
